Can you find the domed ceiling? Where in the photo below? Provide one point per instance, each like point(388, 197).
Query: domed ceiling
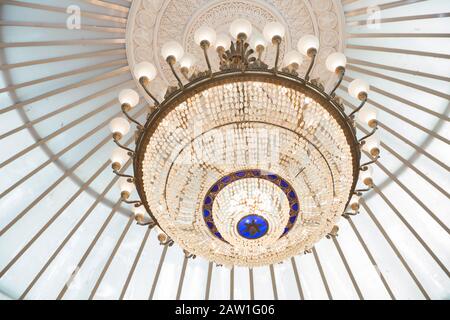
point(64, 233)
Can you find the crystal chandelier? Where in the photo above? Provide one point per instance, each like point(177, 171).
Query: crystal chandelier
point(251, 164)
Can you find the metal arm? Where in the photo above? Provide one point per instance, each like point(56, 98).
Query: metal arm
point(130, 178)
point(341, 77)
point(313, 60)
point(139, 125)
point(144, 81)
point(364, 166)
point(130, 152)
point(359, 108)
point(205, 45)
point(361, 141)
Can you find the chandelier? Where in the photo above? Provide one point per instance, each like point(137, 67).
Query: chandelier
point(251, 164)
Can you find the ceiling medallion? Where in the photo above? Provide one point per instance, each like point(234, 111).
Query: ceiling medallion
point(249, 165)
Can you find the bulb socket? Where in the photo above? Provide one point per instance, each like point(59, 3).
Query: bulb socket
point(171, 60)
point(373, 123)
point(375, 152)
point(117, 136)
point(139, 218)
point(205, 44)
point(144, 81)
point(368, 182)
point(124, 195)
point(242, 36)
point(276, 40)
point(362, 96)
point(354, 206)
point(116, 166)
point(340, 70)
point(312, 52)
point(126, 107)
point(162, 238)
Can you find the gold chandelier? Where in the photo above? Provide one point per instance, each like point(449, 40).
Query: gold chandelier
point(251, 164)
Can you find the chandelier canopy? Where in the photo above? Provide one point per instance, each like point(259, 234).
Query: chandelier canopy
point(249, 165)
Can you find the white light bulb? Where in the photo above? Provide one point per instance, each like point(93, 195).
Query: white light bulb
point(119, 125)
point(372, 145)
point(145, 69)
point(354, 202)
point(172, 49)
point(292, 57)
point(273, 29)
point(129, 97)
point(368, 115)
point(187, 61)
point(358, 87)
point(239, 26)
point(257, 40)
point(367, 176)
point(223, 41)
point(119, 156)
point(139, 213)
point(205, 34)
point(336, 60)
point(125, 186)
point(307, 43)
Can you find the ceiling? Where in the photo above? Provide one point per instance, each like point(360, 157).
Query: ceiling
point(64, 233)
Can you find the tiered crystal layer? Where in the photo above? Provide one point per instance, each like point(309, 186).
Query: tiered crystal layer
point(240, 126)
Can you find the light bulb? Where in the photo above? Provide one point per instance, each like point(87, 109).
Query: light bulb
point(241, 27)
point(187, 61)
point(274, 30)
point(223, 41)
point(119, 127)
point(129, 97)
point(354, 202)
point(139, 213)
point(336, 61)
point(367, 177)
point(162, 237)
point(307, 44)
point(205, 34)
point(118, 158)
point(358, 89)
point(126, 188)
point(368, 115)
point(257, 40)
point(372, 145)
point(145, 70)
point(293, 57)
point(172, 49)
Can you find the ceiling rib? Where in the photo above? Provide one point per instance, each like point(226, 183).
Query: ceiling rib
point(111, 257)
point(394, 248)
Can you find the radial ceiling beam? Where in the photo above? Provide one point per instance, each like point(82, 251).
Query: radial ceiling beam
point(57, 76)
point(413, 232)
point(105, 76)
point(62, 26)
point(297, 279)
point(371, 258)
point(77, 56)
point(399, 51)
point(86, 254)
point(347, 267)
point(381, 7)
point(394, 248)
point(158, 272)
point(111, 257)
point(208, 281)
point(182, 275)
point(322, 274)
point(84, 13)
point(399, 19)
point(72, 232)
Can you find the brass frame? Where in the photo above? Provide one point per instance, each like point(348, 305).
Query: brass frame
point(203, 83)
